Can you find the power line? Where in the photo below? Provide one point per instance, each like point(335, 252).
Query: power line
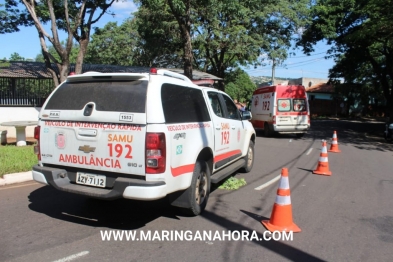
point(306, 63)
point(306, 55)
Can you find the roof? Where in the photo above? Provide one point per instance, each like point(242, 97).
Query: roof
point(320, 88)
point(38, 70)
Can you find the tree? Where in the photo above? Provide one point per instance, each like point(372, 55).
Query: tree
point(235, 33)
point(181, 11)
point(11, 18)
point(52, 51)
point(159, 39)
point(239, 86)
point(229, 33)
point(113, 45)
point(74, 17)
point(16, 57)
point(361, 33)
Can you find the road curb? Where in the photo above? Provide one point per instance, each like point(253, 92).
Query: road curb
point(16, 178)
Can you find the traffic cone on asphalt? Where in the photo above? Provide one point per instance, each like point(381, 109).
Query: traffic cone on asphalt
point(323, 163)
point(281, 217)
point(334, 146)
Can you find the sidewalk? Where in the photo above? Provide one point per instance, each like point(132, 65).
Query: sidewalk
point(16, 178)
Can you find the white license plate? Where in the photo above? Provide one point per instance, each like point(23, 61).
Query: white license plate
point(90, 179)
point(284, 119)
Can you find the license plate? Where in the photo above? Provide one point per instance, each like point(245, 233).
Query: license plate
point(284, 119)
point(90, 179)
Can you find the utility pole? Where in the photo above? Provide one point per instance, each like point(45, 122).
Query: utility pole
point(273, 68)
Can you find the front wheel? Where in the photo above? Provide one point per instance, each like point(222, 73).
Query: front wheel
point(199, 190)
point(249, 157)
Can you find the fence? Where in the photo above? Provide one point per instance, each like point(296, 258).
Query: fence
point(24, 92)
point(319, 107)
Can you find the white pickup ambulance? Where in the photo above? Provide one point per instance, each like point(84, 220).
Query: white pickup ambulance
point(282, 109)
point(141, 136)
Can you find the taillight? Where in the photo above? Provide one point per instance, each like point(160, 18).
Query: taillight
point(37, 150)
point(153, 71)
point(274, 120)
point(155, 153)
point(308, 117)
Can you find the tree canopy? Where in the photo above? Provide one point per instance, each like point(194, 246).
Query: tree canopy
point(229, 33)
point(239, 85)
point(361, 35)
point(113, 45)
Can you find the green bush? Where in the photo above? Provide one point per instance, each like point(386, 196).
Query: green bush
point(233, 183)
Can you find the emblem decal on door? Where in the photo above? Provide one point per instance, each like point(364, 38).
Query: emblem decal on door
point(179, 135)
point(60, 140)
point(179, 150)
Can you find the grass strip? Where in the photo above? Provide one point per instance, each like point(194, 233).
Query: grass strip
point(15, 159)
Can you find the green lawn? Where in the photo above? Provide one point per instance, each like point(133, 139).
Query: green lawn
point(14, 159)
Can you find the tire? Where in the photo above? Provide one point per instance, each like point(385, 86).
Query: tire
point(199, 189)
point(249, 157)
point(266, 130)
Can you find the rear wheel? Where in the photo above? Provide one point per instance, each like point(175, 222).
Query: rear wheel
point(199, 189)
point(266, 130)
point(249, 158)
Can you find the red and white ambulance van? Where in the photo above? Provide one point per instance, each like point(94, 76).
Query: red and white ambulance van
point(281, 109)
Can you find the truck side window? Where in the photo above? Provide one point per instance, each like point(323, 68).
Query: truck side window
point(215, 103)
point(183, 104)
point(233, 112)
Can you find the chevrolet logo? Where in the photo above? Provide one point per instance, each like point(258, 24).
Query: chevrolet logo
point(86, 149)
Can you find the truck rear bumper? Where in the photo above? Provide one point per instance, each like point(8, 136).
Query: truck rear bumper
point(129, 188)
point(291, 129)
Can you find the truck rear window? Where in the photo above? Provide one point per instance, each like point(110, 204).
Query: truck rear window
point(299, 105)
point(284, 105)
point(120, 96)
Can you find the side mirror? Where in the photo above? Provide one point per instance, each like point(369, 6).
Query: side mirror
point(246, 115)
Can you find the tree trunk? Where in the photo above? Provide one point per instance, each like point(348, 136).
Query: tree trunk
point(187, 54)
point(183, 19)
point(81, 55)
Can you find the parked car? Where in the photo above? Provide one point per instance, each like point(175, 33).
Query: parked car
point(141, 136)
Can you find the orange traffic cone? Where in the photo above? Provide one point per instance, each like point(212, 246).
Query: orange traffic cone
point(334, 146)
point(323, 164)
point(281, 217)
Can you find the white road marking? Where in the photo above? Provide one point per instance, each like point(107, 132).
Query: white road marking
point(91, 219)
point(72, 257)
point(35, 183)
point(268, 183)
point(309, 151)
point(290, 140)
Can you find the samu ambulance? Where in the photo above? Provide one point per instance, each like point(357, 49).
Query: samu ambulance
point(281, 109)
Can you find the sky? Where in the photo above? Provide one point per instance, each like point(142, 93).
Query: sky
point(26, 44)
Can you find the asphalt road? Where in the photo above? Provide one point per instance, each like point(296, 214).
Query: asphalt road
point(347, 216)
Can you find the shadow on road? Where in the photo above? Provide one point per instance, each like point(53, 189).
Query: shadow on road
point(367, 135)
point(130, 215)
point(117, 214)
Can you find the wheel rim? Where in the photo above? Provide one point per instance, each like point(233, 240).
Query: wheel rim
point(250, 157)
point(201, 188)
